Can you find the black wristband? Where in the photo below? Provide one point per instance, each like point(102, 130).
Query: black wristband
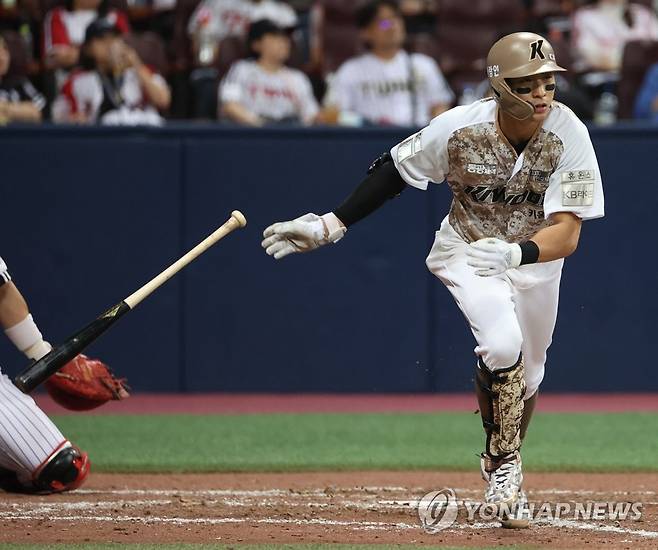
point(529, 252)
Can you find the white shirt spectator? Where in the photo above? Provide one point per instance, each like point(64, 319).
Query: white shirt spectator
point(283, 95)
point(89, 94)
point(381, 90)
point(600, 33)
point(222, 18)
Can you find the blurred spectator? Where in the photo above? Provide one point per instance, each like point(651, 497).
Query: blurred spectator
point(419, 15)
point(261, 91)
point(114, 86)
point(214, 20)
point(646, 104)
point(600, 32)
point(387, 85)
point(19, 100)
point(64, 29)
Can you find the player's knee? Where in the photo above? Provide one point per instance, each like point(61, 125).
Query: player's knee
point(533, 378)
point(503, 349)
point(66, 469)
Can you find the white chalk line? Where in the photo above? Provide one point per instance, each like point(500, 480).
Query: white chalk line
point(37, 510)
point(334, 491)
point(355, 525)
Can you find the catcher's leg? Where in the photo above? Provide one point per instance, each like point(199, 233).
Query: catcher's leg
point(28, 439)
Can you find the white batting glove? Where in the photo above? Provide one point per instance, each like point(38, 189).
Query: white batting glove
point(492, 256)
point(302, 234)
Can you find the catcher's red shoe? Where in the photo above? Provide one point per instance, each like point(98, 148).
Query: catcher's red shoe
point(64, 470)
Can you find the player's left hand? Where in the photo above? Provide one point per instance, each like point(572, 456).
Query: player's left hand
point(492, 256)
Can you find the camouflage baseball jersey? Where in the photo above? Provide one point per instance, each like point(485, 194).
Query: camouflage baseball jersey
point(497, 193)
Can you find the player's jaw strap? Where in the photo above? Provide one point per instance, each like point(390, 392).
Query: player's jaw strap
point(382, 183)
point(500, 396)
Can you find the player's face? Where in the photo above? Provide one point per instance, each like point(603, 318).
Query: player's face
point(101, 50)
point(387, 30)
point(538, 90)
point(86, 4)
point(4, 58)
point(274, 47)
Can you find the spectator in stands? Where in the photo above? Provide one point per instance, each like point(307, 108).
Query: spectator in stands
point(214, 20)
point(646, 104)
point(64, 29)
point(386, 85)
point(114, 86)
point(600, 32)
point(19, 100)
point(262, 90)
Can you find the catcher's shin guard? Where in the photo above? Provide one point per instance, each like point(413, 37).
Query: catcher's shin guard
point(64, 470)
point(500, 397)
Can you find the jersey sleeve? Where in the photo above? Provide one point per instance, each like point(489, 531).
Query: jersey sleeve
point(341, 88)
point(575, 186)
point(54, 31)
point(308, 103)
point(439, 91)
point(423, 157)
point(232, 89)
point(4, 273)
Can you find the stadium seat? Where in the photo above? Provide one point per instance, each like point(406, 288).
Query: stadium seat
point(639, 55)
point(465, 32)
point(181, 51)
point(231, 49)
point(339, 33)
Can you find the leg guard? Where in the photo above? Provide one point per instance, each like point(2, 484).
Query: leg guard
point(500, 396)
point(64, 470)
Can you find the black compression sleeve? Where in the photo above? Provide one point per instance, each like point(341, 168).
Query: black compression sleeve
point(383, 182)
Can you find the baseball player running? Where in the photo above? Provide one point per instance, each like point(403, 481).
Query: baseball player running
point(524, 176)
point(34, 455)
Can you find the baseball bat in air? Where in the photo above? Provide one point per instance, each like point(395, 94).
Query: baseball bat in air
point(49, 364)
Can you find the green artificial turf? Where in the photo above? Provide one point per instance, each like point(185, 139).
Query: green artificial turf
point(304, 442)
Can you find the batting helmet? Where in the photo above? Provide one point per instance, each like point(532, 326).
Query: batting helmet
point(513, 56)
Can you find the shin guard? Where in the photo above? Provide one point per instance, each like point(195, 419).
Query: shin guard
point(500, 396)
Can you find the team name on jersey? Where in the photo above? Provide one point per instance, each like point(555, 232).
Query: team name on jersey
point(388, 87)
point(485, 194)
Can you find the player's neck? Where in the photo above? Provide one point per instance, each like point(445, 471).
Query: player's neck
point(385, 53)
point(269, 65)
point(517, 131)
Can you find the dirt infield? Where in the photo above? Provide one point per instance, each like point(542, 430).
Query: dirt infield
point(347, 507)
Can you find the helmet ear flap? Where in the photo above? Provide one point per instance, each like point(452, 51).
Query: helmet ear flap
point(509, 101)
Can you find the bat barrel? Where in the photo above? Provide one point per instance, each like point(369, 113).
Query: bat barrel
point(50, 363)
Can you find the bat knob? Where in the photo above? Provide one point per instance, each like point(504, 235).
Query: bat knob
point(239, 216)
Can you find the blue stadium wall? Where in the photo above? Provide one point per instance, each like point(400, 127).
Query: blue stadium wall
point(89, 215)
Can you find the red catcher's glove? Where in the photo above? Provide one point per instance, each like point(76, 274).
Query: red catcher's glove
point(83, 384)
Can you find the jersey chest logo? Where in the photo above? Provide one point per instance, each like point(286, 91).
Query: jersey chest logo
point(486, 195)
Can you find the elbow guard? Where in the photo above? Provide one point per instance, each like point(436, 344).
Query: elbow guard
point(382, 183)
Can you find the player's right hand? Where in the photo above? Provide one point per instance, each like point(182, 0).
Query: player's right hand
point(299, 235)
point(302, 234)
